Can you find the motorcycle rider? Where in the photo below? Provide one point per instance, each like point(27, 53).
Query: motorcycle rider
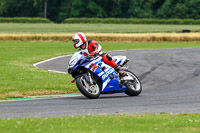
point(91, 49)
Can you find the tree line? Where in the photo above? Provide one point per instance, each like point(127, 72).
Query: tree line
point(58, 10)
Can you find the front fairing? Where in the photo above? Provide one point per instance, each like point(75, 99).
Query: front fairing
point(73, 61)
point(81, 63)
point(77, 60)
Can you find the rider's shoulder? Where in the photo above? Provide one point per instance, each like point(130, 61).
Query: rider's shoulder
point(92, 41)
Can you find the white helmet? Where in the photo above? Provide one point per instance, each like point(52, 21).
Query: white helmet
point(78, 39)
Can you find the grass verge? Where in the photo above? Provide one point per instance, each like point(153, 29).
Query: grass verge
point(138, 123)
point(18, 77)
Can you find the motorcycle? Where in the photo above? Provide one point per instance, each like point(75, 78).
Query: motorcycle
point(94, 77)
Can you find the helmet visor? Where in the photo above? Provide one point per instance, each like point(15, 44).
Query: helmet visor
point(76, 41)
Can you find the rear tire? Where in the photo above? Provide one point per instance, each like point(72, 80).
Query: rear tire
point(134, 88)
point(91, 91)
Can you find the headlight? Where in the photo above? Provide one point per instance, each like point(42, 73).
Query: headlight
point(71, 65)
point(73, 62)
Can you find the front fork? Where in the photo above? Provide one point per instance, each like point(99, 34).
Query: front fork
point(90, 78)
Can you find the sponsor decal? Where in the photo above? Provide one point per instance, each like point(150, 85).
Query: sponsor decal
point(94, 68)
point(107, 73)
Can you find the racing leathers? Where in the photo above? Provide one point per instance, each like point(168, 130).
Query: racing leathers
point(93, 49)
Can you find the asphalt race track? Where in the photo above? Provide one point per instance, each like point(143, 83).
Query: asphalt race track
point(170, 79)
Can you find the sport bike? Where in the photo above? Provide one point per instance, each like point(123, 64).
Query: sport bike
point(94, 77)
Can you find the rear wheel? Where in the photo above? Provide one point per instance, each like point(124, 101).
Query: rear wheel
point(89, 90)
point(134, 87)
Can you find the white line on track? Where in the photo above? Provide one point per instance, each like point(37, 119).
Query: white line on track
point(57, 71)
point(35, 65)
point(41, 62)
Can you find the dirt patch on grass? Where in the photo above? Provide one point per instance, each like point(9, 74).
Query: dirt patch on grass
point(31, 93)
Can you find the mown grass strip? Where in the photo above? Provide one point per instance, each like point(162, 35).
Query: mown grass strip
point(145, 37)
point(94, 28)
point(18, 77)
point(125, 123)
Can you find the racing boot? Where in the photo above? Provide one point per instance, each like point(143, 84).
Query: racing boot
point(121, 72)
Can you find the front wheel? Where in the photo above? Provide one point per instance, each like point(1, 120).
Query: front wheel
point(134, 87)
point(91, 91)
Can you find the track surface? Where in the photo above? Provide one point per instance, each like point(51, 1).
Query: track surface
point(170, 79)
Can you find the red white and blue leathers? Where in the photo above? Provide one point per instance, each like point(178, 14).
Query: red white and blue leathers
point(94, 49)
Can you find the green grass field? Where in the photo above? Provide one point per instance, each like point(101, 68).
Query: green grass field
point(19, 78)
point(143, 123)
point(93, 28)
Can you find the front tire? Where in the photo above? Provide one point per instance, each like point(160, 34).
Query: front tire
point(134, 87)
point(91, 91)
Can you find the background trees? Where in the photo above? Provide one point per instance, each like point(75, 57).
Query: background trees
point(58, 10)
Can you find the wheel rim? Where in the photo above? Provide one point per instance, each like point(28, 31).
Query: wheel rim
point(135, 84)
point(90, 88)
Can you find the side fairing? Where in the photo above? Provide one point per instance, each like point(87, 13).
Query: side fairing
point(102, 70)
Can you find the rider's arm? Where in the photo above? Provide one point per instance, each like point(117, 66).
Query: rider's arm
point(80, 51)
point(95, 48)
